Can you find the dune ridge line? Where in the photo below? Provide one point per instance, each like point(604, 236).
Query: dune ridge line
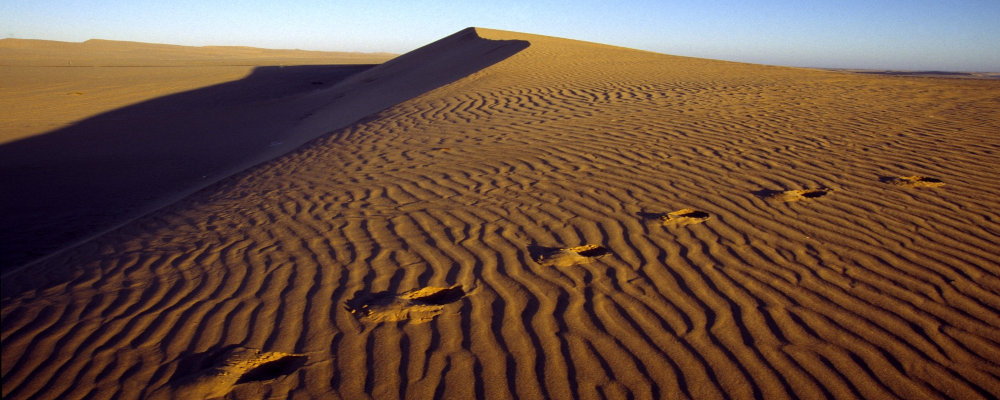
point(66, 187)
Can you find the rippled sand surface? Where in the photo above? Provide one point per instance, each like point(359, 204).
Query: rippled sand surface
point(566, 220)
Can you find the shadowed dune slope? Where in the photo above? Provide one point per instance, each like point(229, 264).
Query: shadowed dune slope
point(64, 186)
point(517, 234)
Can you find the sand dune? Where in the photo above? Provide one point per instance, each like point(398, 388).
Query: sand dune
point(65, 186)
point(174, 118)
point(114, 53)
point(434, 248)
point(46, 85)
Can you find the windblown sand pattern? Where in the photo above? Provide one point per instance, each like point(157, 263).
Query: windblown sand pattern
point(872, 290)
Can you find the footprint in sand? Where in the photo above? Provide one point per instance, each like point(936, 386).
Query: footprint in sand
point(793, 195)
point(913, 181)
point(215, 373)
point(687, 216)
point(566, 257)
point(419, 305)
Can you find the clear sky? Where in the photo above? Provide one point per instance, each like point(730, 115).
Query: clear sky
point(960, 35)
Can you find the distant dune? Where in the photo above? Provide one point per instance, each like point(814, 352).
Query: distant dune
point(925, 74)
point(48, 85)
point(113, 53)
point(505, 215)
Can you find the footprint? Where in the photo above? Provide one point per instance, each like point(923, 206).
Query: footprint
point(687, 216)
point(793, 195)
point(913, 181)
point(419, 305)
point(215, 373)
point(566, 257)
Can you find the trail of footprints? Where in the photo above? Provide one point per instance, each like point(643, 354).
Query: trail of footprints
point(217, 373)
point(422, 305)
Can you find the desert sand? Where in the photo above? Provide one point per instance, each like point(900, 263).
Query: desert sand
point(504, 215)
point(176, 119)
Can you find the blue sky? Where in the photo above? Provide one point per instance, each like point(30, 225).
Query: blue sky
point(917, 34)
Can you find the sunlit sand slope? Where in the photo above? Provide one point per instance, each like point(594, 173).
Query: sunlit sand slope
point(576, 221)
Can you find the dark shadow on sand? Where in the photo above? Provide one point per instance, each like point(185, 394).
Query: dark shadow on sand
point(68, 184)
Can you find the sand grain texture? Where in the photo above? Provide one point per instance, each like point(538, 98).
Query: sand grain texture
point(873, 290)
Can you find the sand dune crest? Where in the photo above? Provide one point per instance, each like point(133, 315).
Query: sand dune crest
point(67, 185)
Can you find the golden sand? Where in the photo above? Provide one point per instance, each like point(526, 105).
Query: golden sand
point(408, 253)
